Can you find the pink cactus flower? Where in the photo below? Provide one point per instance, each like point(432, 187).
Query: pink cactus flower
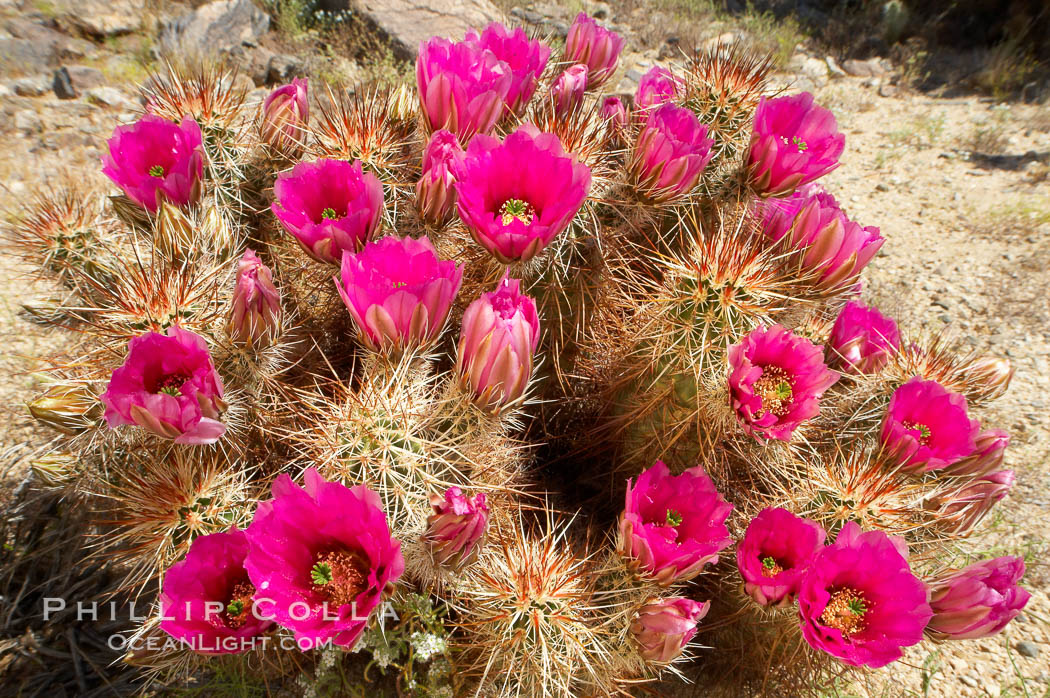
point(987, 457)
point(776, 379)
point(862, 339)
point(256, 316)
point(777, 548)
point(285, 117)
point(663, 627)
point(859, 600)
point(794, 142)
point(321, 558)
point(168, 386)
point(456, 529)
point(658, 86)
point(594, 46)
point(435, 190)
point(329, 206)
point(398, 292)
point(830, 244)
point(462, 86)
point(154, 158)
point(927, 427)
point(673, 525)
point(527, 58)
point(206, 600)
point(670, 154)
point(567, 91)
point(497, 343)
point(614, 112)
point(978, 600)
point(962, 508)
point(516, 196)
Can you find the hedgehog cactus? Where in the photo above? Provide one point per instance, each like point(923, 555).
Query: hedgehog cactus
point(502, 284)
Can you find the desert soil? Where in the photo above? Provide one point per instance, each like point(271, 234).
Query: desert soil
point(968, 248)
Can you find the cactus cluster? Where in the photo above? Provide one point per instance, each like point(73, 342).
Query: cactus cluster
point(521, 357)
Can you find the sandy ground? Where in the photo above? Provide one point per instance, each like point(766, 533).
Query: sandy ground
point(968, 246)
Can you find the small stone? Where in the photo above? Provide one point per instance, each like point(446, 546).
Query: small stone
point(63, 85)
point(102, 18)
point(834, 68)
point(871, 68)
point(882, 186)
point(969, 681)
point(109, 97)
point(28, 122)
point(32, 87)
point(888, 90)
point(1028, 649)
point(84, 77)
point(282, 68)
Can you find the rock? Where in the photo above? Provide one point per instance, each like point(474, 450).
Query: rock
point(969, 681)
point(408, 22)
point(32, 87)
point(109, 97)
point(216, 27)
point(84, 77)
point(888, 90)
point(814, 69)
point(721, 40)
point(282, 68)
point(63, 85)
point(871, 68)
point(28, 122)
point(102, 18)
point(834, 68)
point(35, 48)
point(1028, 649)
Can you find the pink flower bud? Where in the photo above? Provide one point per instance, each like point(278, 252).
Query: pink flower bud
point(462, 86)
point(993, 374)
point(963, 508)
point(658, 86)
point(435, 190)
point(501, 331)
point(862, 340)
point(989, 449)
point(568, 89)
point(285, 116)
point(663, 627)
point(595, 46)
point(456, 529)
point(671, 153)
point(256, 316)
point(977, 601)
point(614, 112)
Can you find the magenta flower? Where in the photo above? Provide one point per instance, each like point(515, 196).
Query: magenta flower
point(285, 117)
point(794, 142)
point(862, 339)
point(962, 508)
point(663, 627)
point(776, 379)
point(500, 333)
point(859, 600)
point(673, 525)
point(168, 386)
point(594, 46)
point(777, 548)
point(256, 316)
point(456, 529)
point(329, 206)
point(321, 557)
point(658, 86)
point(671, 153)
point(398, 292)
point(567, 91)
point(831, 245)
point(987, 457)
point(154, 158)
point(977, 601)
point(206, 599)
point(927, 427)
point(435, 190)
point(462, 86)
point(614, 112)
point(516, 196)
point(526, 58)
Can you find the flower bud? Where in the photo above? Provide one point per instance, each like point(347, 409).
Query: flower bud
point(568, 89)
point(285, 116)
point(663, 627)
point(219, 232)
point(456, 529)
point(990, 447)
point(977, 601)
point(595, 46)
point(54, 469)
point(402, 104)
point(862, 339)
point(992, 374)
point(435, 190)
point(173, 233)
point(961, 509)
point(658, 86)
point(256, 316)
point(500, 333)
point(670, 154)
point(614, 112)
point(70, 408)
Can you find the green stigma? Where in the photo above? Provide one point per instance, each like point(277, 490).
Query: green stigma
point(329, 213)
point(156, 171)
point(769, 563)
point(516, 209)
point(321, 573)
point(800, 144)
point(673, 518)
point(856, 607)
point(782, 390)
point(235, 608)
